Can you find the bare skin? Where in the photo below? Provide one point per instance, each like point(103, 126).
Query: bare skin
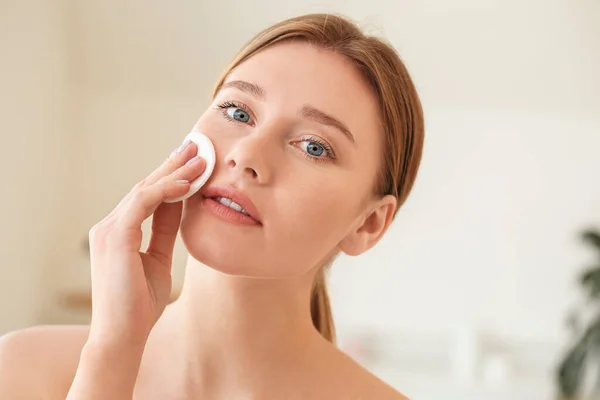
point(241, 328)
point(40, 363)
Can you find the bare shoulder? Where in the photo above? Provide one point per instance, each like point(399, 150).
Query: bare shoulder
point(40, 362)
point(347, 379)
point(365, 385)
point(375, 388)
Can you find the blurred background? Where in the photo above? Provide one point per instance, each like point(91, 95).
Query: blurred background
point(473, 293)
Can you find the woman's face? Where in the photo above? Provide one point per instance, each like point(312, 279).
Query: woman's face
point(296, 130)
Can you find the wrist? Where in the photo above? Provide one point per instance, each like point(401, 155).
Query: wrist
point(126, 351)
point(107, 370)
point(112, 338)
point(114, 364)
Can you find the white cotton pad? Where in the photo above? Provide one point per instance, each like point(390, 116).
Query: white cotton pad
point(206, 150)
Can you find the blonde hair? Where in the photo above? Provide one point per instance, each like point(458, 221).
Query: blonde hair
point(401, 113)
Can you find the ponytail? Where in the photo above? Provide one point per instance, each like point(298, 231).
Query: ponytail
point(320, 307)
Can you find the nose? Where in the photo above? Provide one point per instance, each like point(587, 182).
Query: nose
point(249, 157)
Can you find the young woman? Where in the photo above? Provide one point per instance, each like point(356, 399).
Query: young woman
point(318, 132)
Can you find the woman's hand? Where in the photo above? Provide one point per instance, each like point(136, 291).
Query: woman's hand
point(131, 288)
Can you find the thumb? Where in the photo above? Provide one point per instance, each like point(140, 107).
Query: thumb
point(159, 284)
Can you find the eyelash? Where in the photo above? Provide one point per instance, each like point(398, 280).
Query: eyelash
point(330, 154)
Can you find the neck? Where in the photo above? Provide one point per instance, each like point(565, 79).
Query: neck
point(237, 326)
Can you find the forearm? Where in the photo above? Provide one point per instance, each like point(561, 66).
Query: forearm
point(106, 372)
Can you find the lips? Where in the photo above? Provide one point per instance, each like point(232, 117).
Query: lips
point(219, 192)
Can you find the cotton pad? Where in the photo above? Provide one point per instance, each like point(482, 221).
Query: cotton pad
point(206, 150)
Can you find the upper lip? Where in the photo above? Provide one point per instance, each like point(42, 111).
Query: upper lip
point(234, 195)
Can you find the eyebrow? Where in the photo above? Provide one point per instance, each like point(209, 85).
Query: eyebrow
point(250, 88)
point(306, 111)
point(312, 113)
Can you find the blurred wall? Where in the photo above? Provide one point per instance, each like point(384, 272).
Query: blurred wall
point(100, 93)
point(37, 154)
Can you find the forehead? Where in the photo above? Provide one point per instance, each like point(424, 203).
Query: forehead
point(298, 73)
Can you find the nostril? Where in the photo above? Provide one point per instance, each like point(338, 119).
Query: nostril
point(242, 166)
point(251, 172)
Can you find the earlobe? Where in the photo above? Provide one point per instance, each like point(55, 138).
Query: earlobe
point(372, 227)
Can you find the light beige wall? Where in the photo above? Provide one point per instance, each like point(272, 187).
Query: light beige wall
point(35, 166)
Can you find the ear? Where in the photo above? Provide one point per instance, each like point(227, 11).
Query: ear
point(371, 227)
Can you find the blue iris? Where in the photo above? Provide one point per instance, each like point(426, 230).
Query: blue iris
point(238, 114)
point(315, 149)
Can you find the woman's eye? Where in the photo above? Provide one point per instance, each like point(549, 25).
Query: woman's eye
point(238, 114)
point(314, 149)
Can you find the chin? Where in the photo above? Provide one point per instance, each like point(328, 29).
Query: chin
point(235, 249)
point(226, 247)
point(219, 248)
point(220, 245)
point(234, 253)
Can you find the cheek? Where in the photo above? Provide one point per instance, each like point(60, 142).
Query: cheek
point(222, 133)
point(213, 125)
point(322, 208)
point(207, 121)
point(316, 218)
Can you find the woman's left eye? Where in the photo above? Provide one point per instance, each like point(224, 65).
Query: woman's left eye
point(313, 148)
point(316, 150)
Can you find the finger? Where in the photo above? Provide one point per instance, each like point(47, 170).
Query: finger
point(167, 218)
point(177, 159)
point(144, 202)
point(165, 225)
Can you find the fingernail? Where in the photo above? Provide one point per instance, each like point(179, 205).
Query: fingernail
point(185, 144)
point(193, 160)
point(182, 181)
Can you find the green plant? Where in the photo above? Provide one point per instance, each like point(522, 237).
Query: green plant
point(586, 349)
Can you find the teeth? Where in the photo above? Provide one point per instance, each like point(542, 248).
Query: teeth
point(225, 201)
point(236, 207)
point(231, 204)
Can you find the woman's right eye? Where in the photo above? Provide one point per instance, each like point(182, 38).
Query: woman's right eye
point(238, 114)
point(235, 112)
